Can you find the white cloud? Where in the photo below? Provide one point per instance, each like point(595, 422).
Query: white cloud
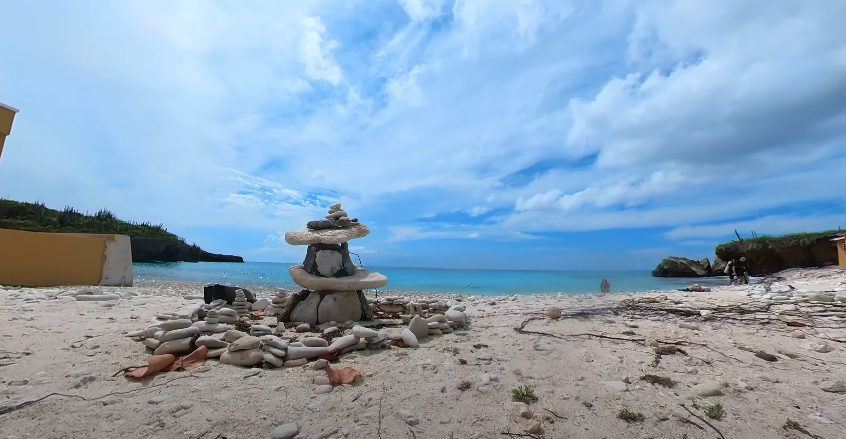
point(201, 114)
point(768, 225)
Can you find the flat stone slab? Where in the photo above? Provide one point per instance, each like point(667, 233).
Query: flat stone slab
point(306, 236)
point(362, 279)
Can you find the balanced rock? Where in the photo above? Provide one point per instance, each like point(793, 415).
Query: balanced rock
point(305, 236)
point(340, 307)
point(362, 279)
point(240, 304)
point(419, 327)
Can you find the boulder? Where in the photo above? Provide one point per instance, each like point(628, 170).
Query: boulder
point(675, 266)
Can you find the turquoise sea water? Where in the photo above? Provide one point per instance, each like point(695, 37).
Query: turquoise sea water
point(483, 282)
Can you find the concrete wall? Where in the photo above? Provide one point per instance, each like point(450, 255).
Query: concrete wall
point(33, 259)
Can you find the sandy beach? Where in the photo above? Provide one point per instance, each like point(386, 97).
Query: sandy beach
point(763, 360)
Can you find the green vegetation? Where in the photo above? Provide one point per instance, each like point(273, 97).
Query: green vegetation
point(790, 236)
point(630, 415)
point(713, 410)
point(36, 217)
point(523, 393)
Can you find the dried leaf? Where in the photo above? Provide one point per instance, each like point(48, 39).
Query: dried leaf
point(193, 360)
point(155, 364)
point(342, 375)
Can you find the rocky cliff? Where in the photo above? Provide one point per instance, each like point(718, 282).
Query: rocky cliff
point(766, 255)
point(170, 250)
point(676, 266)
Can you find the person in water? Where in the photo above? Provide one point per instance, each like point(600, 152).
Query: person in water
point(604, 286)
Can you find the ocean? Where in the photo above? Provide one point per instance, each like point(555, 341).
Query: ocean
point(435, 280)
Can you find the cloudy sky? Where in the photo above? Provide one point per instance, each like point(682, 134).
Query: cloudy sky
point(538, 134)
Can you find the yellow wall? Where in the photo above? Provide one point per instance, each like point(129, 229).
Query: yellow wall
point(33, 259)
point(841, 252)
point(7, 117)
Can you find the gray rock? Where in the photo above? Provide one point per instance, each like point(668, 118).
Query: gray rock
point(305, 236)
point(306, 310)
point(295, 363)
point(177, 334)
point(245, 343)
point(172, 325)
point(174, 347)
point(319, 364)
point(340, 307)
point(833, 386)
point(259, 305)
point(691, 326)
point(233, 334)
point(247, 357)
point(329, 262)
point(210, 342)
point(304, 352)
point(708, 388)
point(408, 417)
point(271, 359)
point(158, 399)
point(323, 388)
point(285, 431)
point(616, 385)
point(315, 342)
point(419, 327)
point(318, 403)
point(274, 341)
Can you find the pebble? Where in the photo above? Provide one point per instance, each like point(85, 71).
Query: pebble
point(419, 327)
point(708, 388)
point(797, 334)
point(84, 381)
point(765, 356)
point(616, 385)
point(321, 380)
point(319, 364)
point(521, 409)
point(318, 404)
point(172, 325)
point(158, 399)
point(244, 343)
point(295, 363)
point(269, 358)
point(305, 327)
point(531, 426)
point(210, 342)
point(553, 312)
point(285, 431)
point(486, 379)
point(323, 388)
point(691, 326)
point(833, 386)
point(408, 417)
point(315, 342)
point(326, 434)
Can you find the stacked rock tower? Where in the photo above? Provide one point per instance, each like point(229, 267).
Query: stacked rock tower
point(333, 283)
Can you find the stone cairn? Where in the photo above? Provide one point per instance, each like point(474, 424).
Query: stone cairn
point(318, 323)
point(333, 283)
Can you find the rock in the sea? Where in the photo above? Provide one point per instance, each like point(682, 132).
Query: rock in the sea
point(248, 357)
point(340, 307)
point(285, 431)
point(675, 266)
point(419, 327)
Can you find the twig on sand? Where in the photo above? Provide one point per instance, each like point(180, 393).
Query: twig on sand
point(505, 433)
point(703, 420)
point(554, 414)
point(379, 428)
point(10, 409)
point(89, 337)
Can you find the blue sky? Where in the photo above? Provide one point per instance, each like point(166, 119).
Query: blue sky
point(529, 134)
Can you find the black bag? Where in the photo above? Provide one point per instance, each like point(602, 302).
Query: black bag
point(225, 292)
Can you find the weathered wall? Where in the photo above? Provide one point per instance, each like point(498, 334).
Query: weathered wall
point(7, 118)
point(841, 252)
point(33, 259)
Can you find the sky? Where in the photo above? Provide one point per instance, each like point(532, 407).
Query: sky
point(522, 134)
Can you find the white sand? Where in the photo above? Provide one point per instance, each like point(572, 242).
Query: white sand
point(74, 348)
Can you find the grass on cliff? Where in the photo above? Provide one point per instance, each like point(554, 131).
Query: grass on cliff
point(803, 235)
point(36, 217)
